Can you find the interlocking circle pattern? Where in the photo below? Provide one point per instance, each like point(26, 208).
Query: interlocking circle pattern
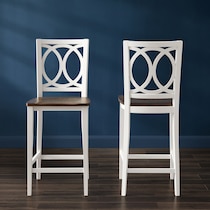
point(152, 71)
point(62, 70)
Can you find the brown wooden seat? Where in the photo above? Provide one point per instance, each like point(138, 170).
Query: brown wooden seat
point(59, 101)
point(147, 102)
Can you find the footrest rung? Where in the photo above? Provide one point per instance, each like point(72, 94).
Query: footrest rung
point(62, 157)
point(58, 170)
point(149, 156)
point(151, 170)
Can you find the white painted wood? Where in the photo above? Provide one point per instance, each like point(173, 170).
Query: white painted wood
point(36, 157)
point(151, 170)
point(149, 156)
point(132, 50)
point(30, 131)
point(84, 123)
point(62, 157)
point(39, 141)
point(58, 170)
point(45, 47)
point(121, 128)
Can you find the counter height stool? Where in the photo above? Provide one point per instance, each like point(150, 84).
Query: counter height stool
point(154, 92)
point(63, 51)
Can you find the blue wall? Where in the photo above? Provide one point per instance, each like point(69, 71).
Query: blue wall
point(106, 23)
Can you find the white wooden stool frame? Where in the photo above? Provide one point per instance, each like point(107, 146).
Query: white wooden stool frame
point(142, 100)
point(79, 47)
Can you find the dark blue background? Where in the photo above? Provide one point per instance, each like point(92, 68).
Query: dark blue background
point(106, 23)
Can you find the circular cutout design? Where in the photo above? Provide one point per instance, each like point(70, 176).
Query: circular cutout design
point(62, 69)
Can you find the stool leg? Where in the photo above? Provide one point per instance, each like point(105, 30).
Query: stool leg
point(126, 139)
point(84, 125)
point(121, 121)
point(39, 141)
point(176, 154)
point(30, 131)
point(171, 144)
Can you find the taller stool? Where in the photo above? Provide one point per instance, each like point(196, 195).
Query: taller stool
point(55, 77)
point(148, 93)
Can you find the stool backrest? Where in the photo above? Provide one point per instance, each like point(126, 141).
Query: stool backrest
point(152, 69)
point(62, 65)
